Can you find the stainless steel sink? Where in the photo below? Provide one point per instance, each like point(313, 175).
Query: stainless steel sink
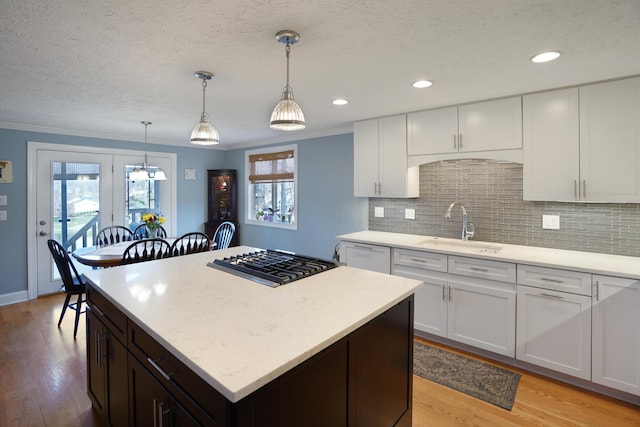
point(467, 246)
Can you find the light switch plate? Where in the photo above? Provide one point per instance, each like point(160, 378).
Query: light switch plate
point(551, 222)
point(3, 215)
point(3, 200)
point(378, 212)
point(410, 214)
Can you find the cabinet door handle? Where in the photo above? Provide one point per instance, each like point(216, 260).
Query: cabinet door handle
point(379, 188)
point(449, 293)
point(97, 349)
point(161, 413)
point(154, 363)
point(483, 270)
point(460, 142)
point(155, 413)
point(597, 290)
point(584, 188)
point(575, 189)
point(455, 142)
point(419, 260)
point(544, 294)
point(547, 279)
point(443, 295)
point(375, 188)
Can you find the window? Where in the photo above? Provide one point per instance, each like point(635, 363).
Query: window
point(271, 187)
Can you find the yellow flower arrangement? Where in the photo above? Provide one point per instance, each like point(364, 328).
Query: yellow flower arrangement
point(153, 221)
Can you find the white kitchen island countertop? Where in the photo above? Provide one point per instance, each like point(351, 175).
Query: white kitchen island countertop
point(588, 262)
point(237, 334)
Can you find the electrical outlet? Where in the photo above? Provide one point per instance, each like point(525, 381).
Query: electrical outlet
point(410, 214)
point(551, 222)
point(3, 215)
point(3, 200)
point(378, 212)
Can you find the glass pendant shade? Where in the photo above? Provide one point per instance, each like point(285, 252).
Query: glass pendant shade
point(287, 115)
point(204, 133)
point(139, 174)
point(159, 175)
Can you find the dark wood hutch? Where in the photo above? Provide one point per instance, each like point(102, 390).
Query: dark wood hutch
point(222, 195)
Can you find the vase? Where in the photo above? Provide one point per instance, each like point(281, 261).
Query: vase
point(154, 233)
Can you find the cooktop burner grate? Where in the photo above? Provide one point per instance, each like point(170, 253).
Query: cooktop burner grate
point(271, 267)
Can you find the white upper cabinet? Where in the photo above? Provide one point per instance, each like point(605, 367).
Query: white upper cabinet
point(583, 144)
point(380, 159)
point(482, 126)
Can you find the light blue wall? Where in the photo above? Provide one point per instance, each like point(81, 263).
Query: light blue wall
point(326, 206)
point(325, 196)
point(192, 195)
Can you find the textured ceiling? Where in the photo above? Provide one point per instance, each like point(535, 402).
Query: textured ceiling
point(97, 68)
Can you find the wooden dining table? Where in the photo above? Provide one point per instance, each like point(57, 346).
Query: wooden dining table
point(106, 255)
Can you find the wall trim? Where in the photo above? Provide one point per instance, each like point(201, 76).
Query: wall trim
point(14, 297)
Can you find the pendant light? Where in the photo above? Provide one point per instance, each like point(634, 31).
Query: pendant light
point(204, 133)
point(143, 172)
point(287, 115)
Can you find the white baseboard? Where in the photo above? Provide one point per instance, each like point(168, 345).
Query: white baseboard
point(14, 297)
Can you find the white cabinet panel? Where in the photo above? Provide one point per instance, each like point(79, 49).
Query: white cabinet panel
point(432, 131)
point(610, 141)
point(574, 139)
point(551, 151)
point(555, 279)
point(491, 125)
point(380, 159)
point(482, 313)
point(554, 330)
point(616, 333)
point(366, 256)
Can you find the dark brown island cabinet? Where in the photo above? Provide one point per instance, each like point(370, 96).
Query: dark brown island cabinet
point(222, 201)
point(363, 379)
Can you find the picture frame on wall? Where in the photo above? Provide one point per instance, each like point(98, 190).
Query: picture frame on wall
point(6, 173)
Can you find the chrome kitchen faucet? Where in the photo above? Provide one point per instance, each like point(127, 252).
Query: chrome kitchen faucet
point(467, 230)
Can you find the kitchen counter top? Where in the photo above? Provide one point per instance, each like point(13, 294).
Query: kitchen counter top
point(588, 262)
point(239, 335)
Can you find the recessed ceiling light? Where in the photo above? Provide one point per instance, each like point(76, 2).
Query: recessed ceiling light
point(340, 101)
point(545, 56)
point(421, 84)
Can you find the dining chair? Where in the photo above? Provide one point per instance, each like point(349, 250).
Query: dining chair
point(146, 250)
point(143, 232)
point(223, 234)
point(72, 283)
point(190, 243)
point(113, 234)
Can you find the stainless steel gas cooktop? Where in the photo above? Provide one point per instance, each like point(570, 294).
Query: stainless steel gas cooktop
point(272, 268)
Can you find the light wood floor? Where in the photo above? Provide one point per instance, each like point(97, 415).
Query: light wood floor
point(43, 383)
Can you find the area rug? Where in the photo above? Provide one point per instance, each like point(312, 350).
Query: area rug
point(478, 379)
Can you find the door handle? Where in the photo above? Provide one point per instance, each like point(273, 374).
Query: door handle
point(43, 233)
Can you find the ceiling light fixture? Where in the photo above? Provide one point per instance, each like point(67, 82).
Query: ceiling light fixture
point(340, 101)
point(204, 133)
point(143, 172)
point(421, 84)
point(545, 56)
point(287, 115)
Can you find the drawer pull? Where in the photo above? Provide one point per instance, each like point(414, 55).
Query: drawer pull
point(546, 279)
point(544, 294)
point(419, 260)
point(95, 308)
point(154, 363)
point(483, 270)
point(369, 248)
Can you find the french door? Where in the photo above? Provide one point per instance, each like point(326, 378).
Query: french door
point(74, 200)
point(74, 191)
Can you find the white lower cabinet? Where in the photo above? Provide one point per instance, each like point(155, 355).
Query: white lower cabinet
point(366, 256)
point(468, 309)
point(482, 313)
point(616, 333)
point(554, 330)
